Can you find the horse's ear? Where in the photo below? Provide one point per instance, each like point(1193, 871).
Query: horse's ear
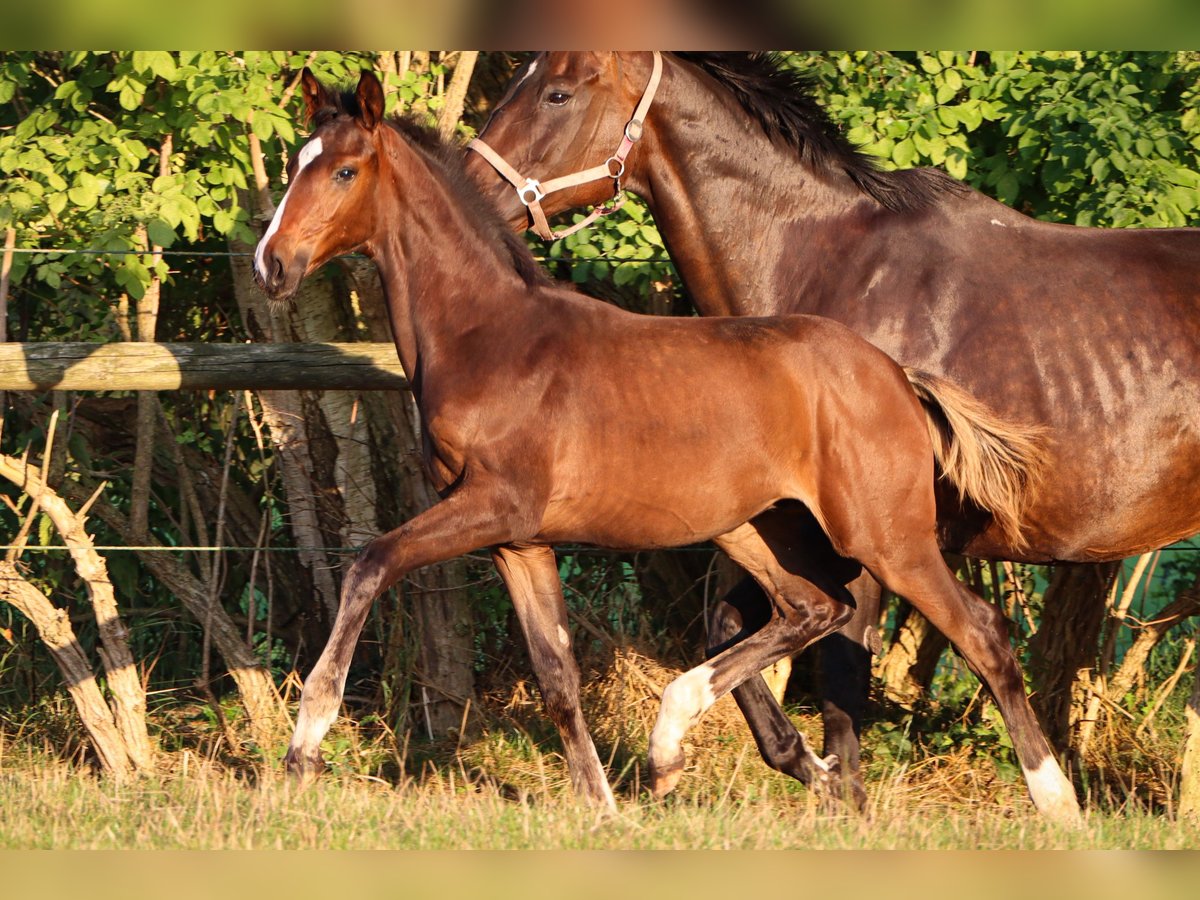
point(315, 95)
point(370, 99)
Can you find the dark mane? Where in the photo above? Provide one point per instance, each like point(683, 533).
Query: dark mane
point(449, 161)
point(781, 99)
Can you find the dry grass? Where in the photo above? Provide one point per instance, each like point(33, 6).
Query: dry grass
point(508, 788)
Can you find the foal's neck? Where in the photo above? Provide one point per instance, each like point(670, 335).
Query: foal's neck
point(444, 277)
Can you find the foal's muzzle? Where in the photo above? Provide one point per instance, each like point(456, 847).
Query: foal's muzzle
point(279, 279)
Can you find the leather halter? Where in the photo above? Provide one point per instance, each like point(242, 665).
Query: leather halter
point(530, 191)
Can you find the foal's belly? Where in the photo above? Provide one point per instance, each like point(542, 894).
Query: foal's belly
point(644, 510)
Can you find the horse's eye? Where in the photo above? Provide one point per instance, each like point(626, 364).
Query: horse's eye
point(557, 98)
point(345, 173)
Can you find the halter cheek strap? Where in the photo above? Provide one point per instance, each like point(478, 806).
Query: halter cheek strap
point(530, 191)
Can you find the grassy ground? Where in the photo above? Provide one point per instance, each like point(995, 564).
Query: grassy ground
point(51, 805)
point(508, 789)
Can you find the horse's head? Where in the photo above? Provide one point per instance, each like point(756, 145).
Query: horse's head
point(330, 204)
point(563, 113)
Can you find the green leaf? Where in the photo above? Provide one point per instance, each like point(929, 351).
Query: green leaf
point(83, 196)
point(131, 96)
point(262, 126)
point(160, 233)
point(1008, 187)
point(956, 163)
point(625, 274)
point(904, 153)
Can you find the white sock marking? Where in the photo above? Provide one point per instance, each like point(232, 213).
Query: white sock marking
point(684, 701)
point(1052, 793)
point(308, 153)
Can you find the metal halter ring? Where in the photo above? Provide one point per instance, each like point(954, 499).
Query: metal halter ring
point(620, 166)
point(633, 131)
point(532, 186)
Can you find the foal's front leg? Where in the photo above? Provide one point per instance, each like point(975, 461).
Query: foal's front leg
point(468, 519)
point(531, 575)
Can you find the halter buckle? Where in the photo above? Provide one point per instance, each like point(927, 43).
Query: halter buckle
point(533, 188)
point(633, 131)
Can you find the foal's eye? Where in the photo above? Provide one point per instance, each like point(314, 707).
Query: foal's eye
point(557, 98)
point(344, 174)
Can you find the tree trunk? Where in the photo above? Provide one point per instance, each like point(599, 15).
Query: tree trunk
point(264, 708)
point(54, 628)
point(124, 681)
point(1189, 765)
point(456, 93)
point(908, 666)
point(1066, 644)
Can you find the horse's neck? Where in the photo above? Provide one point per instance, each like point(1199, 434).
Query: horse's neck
point(443, 279)
point(722, 195)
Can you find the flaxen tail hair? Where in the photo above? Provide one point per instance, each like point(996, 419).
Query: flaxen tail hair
point(993, 463)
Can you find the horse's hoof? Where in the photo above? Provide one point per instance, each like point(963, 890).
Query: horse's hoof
point(664, 776)
point(303, 770)
point(835, 787)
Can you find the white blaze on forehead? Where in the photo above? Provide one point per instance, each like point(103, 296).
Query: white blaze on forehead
point(532, 68)
point(307, 154)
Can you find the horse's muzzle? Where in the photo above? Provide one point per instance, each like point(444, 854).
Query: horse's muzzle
point(279, 280)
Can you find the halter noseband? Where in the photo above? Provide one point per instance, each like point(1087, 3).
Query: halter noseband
point(530, 191)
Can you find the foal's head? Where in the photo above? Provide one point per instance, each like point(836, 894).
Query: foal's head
point(331, 204)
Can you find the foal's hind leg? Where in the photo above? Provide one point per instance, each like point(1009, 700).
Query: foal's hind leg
point(464, 521)
point(980, 633)
point(803, 613)
point(531, 575)
point(800, 545)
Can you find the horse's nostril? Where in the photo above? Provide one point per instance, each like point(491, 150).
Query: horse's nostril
point(276, 270)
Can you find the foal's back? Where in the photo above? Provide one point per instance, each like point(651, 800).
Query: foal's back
point(698, 423)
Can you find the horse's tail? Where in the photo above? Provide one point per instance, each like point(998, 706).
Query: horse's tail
point(993, 463)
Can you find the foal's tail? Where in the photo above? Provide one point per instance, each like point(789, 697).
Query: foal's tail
point(993, 463)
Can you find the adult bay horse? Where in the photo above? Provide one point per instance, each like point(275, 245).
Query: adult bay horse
point(552, 417)
point(765, 209)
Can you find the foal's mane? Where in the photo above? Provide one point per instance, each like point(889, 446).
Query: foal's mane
point(781, 99)
point(448, 160)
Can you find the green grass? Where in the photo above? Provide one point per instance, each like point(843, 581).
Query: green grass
point(50, 804)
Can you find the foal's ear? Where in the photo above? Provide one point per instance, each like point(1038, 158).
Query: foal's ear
point(370, 99)
point(315, 95)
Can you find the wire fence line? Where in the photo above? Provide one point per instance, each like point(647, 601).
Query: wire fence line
point(200, 254)
point(575, 550)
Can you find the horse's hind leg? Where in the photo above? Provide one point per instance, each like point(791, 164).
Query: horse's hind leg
point(845, 682)
point(980, 633)
point(803, 612)
point(468, 519)
point(531, 575)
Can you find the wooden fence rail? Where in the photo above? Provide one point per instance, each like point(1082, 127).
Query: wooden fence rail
point(168, 367)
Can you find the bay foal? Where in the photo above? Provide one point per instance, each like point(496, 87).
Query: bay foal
point(551, 417)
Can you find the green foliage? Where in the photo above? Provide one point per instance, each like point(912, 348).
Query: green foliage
point(82, 143)
point(624, 248)
point(1094, 138)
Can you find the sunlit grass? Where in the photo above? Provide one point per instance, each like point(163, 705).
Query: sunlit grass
point(52, 805)
point(931, 784)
